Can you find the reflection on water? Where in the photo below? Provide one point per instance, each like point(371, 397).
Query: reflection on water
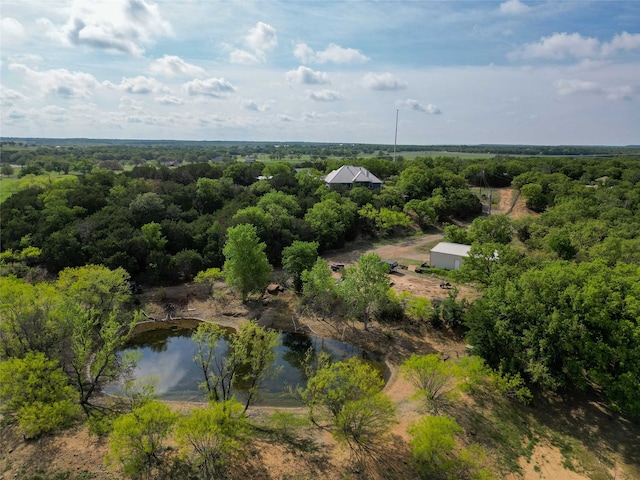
point(168, 355)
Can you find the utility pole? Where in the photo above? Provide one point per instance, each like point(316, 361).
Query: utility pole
point(395, 140)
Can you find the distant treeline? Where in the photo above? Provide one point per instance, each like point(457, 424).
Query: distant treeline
point(236, 148)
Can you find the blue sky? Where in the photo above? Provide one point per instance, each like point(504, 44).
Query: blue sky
point(458, 72)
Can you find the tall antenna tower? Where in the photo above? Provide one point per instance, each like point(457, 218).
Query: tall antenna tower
point(395, 140)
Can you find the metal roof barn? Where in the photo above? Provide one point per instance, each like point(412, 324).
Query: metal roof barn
point(449, 256)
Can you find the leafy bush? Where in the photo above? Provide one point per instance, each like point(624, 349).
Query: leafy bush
point(136, 444)
point(433, 378)
point(35, 389)
point(437, 455)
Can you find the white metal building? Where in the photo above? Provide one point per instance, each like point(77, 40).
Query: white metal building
point(449, 256)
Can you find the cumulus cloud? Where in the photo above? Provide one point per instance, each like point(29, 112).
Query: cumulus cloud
point(324, 95)
point(564, 45)
point(11, 31)
point(383, 81)
point(285, 118)
point(574, 86)
point(169, 100)
point(514, 7)
point(260, 40)
point(59, 82)
point(623, 41)
point(418, 107)
point(141, 85)
point(9, 96)
point(242, 57)
point(253, 106)
point(210, 87)
point(307, 76)
point(122, 26)
point(332, 54)
point(129, 104)
point(174, 66)
point(561, 45)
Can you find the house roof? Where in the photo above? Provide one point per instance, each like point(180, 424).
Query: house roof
point(449, 248)
point(351, 174)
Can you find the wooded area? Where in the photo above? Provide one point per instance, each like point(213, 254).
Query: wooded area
point(558, 291)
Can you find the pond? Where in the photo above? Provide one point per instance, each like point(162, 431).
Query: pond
point(167, 355)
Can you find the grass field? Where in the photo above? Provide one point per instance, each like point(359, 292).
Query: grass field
point(8, 186)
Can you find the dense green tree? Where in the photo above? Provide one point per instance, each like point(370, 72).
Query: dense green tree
point(456, 234)
point(148, 207)
point(6, 169)
point(424, 213)
point(246, 267)
point(298, 257)
point(486, 259)
point(384, 221)
point(564, 325)
point(491, 229)
point(187, 263)
point(318, 287)
point(365, 286)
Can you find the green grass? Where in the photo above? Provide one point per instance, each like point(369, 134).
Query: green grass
point(8, 186)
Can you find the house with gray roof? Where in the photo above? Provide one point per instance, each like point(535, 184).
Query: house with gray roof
point(348, 176)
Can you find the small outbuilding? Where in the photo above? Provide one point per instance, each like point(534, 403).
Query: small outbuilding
point(449, 256)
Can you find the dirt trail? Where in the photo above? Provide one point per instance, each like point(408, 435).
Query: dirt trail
point(511, 203)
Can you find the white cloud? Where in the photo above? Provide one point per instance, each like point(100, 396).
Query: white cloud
point(569, 87)
point(324, 95)
point(304, 53)
point(9, 96)
point(285, 118)
point(620, 92)
point(60, 82)
point(418, 107)
point(169, 100)
point(307, 76)
point(124, 26)
point(53, 110)
point(514, 7)
point(11, 31)
point(128, 104)
point(260, 40)
point(383, 81)
point(253, 106)
point(141, 85)
point(174, 66)
point(623, 41)
point(574, 86)
point(242, 57)
point(332, 54)
point(211, 87)
point(563, 45)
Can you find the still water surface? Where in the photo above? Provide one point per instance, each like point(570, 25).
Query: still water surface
point(168, 356)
